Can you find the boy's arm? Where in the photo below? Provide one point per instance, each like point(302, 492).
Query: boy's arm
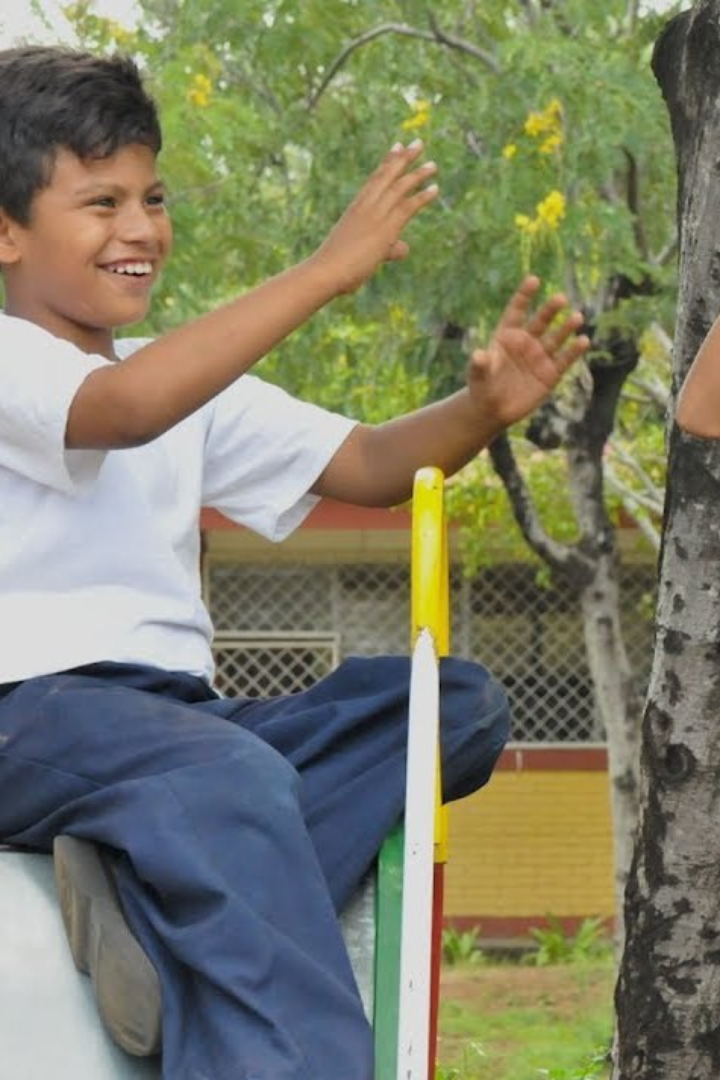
point(523, 362)
point(131, 403)
point(698, 410)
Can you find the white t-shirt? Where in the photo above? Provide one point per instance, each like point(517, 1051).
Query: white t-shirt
point(99, 551)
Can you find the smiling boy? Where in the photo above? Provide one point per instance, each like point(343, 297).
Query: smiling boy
point(232, 830)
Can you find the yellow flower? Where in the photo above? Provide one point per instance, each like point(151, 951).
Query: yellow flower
point(526, 224)
point(551, 143)
point(551, 210)
point(200, 91)
point(420, 117)
point(509, 151)
point(419, 120)
point(548, 122)
point(534, 124)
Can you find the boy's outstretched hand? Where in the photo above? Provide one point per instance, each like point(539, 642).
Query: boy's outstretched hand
point(524, 360)
point(526, 356)
point(369, 232)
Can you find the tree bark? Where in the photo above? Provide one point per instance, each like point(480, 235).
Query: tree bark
point(668, 992)
point(615, 697)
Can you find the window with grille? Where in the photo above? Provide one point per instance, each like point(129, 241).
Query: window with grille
point(280, 628)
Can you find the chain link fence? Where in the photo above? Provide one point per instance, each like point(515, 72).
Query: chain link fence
point(281, 627)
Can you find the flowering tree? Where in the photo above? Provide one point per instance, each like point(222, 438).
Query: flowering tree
point(554, 156)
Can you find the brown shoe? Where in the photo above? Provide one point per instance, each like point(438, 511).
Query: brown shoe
point(126, 984)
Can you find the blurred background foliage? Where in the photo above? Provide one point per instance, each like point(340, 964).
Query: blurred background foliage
point(554, 154)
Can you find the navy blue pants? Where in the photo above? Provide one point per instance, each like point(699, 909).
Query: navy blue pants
point(244, 826)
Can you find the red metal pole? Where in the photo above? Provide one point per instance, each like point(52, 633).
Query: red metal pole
point(435, 963)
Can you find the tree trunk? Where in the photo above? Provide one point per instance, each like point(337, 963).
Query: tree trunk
point(614, 688)
point(591, 566)
point(668, 993)
point(613, 683)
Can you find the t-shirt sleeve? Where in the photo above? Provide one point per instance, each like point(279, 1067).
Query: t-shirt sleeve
point(39, 377)
point(264, 451)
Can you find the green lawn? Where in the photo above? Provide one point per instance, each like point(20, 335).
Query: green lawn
point(510, 1021)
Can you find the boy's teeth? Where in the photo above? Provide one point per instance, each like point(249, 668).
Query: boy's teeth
point(132, 268)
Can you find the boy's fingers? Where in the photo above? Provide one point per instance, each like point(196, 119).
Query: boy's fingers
point(516, 310)
point(540, 322)
point(407, 182)
point(404, 155)
point(399, 250)
point(572, 351)
point(399, 193)
point(556, 338)
point(394, 165)
point(414, 203)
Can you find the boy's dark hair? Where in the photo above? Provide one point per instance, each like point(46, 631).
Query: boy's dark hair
point(55, 98)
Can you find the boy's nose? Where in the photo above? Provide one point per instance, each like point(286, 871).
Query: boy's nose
point(137, 224)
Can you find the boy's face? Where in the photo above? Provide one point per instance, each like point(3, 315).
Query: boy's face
point(96, 241)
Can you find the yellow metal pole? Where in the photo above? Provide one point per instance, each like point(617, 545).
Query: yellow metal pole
point(430, 606)
point(430, 609)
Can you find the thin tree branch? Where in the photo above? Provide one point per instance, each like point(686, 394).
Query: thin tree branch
point(633, 202)
point(668, 252)
point(239, 78)
point(464, 46)
point(632, 502)
point(656, 391)
point(653, 499)
point(645, 502)
point(436, 36)
point(558, 556)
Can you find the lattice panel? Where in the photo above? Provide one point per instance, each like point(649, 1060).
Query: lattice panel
point(530, 636)
point(374, 608)
point(266, 668)
point(271, 599)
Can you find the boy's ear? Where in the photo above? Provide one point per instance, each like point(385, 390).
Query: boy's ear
point(9, 250)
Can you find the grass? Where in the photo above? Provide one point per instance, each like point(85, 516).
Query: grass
point(507, 1021)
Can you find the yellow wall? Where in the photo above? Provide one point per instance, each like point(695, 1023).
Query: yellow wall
point(529, 844)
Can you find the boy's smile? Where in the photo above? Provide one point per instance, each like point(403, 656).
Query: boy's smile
point(97, 238)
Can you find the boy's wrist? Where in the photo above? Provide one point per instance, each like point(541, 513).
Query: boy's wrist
point(322, 276)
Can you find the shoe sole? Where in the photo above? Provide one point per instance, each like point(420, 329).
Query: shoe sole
point(126, 984)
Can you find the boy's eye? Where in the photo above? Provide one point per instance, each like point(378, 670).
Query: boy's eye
point(104, 200)
point(158, 199)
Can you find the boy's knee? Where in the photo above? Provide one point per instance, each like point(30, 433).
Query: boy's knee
point(475, 724)
point(268, 772)
point(240, 771)
point(471, 696)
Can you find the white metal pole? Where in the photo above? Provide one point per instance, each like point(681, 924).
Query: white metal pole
point(417, 902)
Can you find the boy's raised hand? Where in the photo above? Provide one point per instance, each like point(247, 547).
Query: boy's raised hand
point(369, 232)
point(526, 356)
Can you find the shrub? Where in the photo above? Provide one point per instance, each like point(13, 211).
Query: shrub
point(461, 946)
point(555, 947)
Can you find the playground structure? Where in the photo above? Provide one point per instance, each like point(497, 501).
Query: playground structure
point(49, 1025)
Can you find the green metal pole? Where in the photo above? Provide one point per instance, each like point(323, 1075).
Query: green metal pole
point(388, 921)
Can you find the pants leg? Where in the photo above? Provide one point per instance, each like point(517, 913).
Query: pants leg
point(220, 878)
point(239, 838)
point(347, 738)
